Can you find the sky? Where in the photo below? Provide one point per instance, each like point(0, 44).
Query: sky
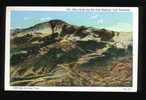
point(117, 21)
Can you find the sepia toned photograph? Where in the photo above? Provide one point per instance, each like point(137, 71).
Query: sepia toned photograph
point(71, 48)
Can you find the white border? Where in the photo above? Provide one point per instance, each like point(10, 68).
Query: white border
point(134, 10)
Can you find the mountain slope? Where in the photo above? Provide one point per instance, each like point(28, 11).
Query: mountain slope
point(49, 45)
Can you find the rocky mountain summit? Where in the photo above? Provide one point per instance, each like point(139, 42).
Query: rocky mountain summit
point(49, 45)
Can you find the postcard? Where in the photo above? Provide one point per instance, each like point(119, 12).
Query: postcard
point(91, 49)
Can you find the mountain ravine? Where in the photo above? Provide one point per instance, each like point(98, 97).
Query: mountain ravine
point(56, 53)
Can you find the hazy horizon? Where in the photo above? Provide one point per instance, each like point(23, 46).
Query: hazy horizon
point(116, 21)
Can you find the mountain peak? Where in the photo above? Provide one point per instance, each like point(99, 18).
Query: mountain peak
point(56, 21)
